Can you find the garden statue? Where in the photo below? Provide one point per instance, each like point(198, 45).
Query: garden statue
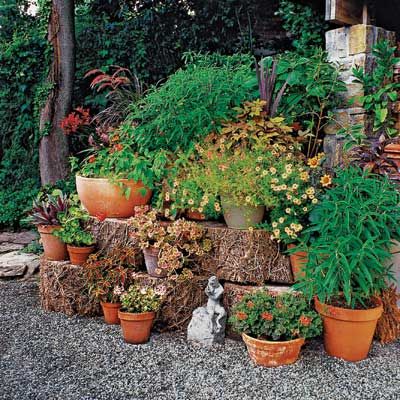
point(208, 322)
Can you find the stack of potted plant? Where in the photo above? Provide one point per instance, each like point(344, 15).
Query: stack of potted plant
point(138, 311)
point(348, 267)
point(167, 247)
point(275, 327)
point(80, 242)
point(45, 214)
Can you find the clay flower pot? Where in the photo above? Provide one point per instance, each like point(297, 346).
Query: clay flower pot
point(54, 248)
point(273, 354)
point(195, 215)
point(79, 255)
point(102, 197)
point(298, 261)
point(241, 217)
point(110, 311)
point(136, 328)
point(348, 333)
point(151, 261)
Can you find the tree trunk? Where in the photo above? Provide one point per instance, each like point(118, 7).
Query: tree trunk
point(53, 149)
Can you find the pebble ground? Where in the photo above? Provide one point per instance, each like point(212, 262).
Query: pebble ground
point(50, 356)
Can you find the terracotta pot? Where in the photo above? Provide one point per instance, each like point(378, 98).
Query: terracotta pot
point(136, 328)
point(195, 215)
point(348, 333)
point(151, 262)
point(298, 261)
point(110, 311)
point(241, 217)
point(102, 198)
point(78, 255)
point(273, 354)
point(54, 248)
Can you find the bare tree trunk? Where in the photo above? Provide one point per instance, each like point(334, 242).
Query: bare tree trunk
point(53, 149)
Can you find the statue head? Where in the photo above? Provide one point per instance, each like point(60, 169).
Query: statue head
point(213, 281)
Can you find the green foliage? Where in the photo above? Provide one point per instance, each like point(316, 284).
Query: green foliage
point(139, 300)
point(305, 25)
point(192, 103)
point(266, 315)
point(353, 227)
point(379, 88)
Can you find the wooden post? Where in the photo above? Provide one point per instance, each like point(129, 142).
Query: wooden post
point(345, 12)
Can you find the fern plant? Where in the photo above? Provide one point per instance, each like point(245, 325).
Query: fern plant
point(353, 228)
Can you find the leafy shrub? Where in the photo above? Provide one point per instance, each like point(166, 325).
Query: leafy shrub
point(140, 299)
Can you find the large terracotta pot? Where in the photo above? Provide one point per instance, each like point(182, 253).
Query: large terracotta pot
point(348, 333)
point(136, 328)
point(298, 261)
point(102, 198)
point(110, 312)
point(79, 255)
point(151, 261)
point(54, 248)
point(241, 217)
point(273, 354)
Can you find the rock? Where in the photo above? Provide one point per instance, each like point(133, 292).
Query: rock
point(8, 247)
point(24, 237)
point(14, 264)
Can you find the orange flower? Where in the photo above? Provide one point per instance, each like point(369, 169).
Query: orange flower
point(305, 321)
point(267, 316)
point(92, 159)
point(313, 162)
point(241, 316)
point(250, 304)
point(326, 180)
point(118, 147)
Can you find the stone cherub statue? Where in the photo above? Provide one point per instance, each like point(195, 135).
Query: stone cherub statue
point(208, 322)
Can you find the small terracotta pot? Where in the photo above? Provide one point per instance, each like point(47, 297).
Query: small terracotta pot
point(79, 255)
point(54, 248)
point(136, 328)
point(348, 333)
point(298, 261)
point(110, 311)
point(102, 198)
point(273, 354)
point(151, 261)
point(241, 217)
point(195, 215)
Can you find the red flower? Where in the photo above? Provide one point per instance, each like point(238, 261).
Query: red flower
point(92, 158)
point(267, 316)
point(241, 316)
point(118, 147)
point(250, 304)
point(73, 121)
point(305, 321)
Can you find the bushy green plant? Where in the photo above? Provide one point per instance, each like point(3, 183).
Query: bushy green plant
point(140, 299)
point(353, 228)
point(277, 317)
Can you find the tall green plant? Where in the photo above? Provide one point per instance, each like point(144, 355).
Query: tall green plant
point(353, 228)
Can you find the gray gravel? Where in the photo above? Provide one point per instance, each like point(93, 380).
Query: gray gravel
point(50, 356)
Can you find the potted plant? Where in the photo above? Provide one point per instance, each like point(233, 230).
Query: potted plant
point(137, 313)
point(45, 214)
point(80, 242)
point(167, 247)
point(274, 326)
point(347, 266)
point(108, 276)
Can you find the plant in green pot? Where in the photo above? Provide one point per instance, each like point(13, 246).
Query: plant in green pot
point(138, 311)
point(349, 242)
point(45, 214)
point(80, 242)
point(275, 326)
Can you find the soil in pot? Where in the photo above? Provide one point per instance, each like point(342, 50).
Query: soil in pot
point(106, 199)
point(79, 255)
point(54, 248)
point(348, 333)
point(151, 262)
point(273, 354)
point(136, 328)
point(298, 260)
point(241, 217)
point(110, 312)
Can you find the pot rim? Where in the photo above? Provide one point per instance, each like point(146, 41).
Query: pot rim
point(80, 249)
point(348, 314)
point(42, 228)
point(144, 316)
point(123, 180)
point(272, 342)
point(110, 305)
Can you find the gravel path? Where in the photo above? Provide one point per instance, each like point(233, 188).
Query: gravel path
point(50, 356)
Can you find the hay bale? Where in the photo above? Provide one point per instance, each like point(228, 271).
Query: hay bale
point(63, 289)
point(388, 327)
point(182, 296)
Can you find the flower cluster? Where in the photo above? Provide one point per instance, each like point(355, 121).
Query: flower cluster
point(139, 299)
point(272, 316)
point(178, 242)
point(75, 120)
